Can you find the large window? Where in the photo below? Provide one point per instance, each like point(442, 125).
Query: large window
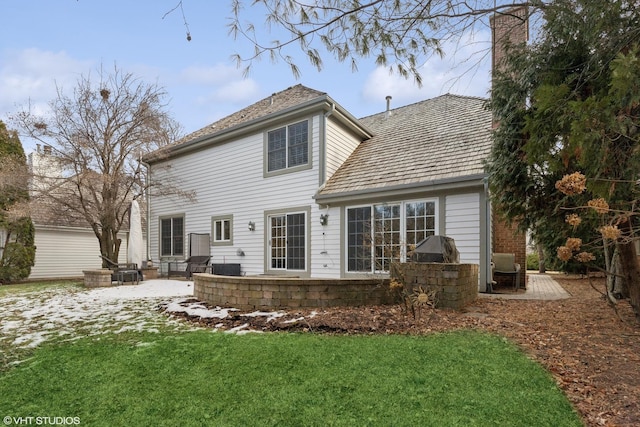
point(288, 146)
point(359, 239)
point(386, 239)
point(172, 236)
point(287, 241)
point(420, 222)
point(380, 234)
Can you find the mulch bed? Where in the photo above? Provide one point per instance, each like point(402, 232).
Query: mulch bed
point(592, 350)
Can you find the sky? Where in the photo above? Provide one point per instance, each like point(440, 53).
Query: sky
point(47, 45)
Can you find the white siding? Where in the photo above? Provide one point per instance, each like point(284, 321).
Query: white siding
point(65, 252)
point(228, 180)
point(340, 144)
point(462, 223)
point(325, 256)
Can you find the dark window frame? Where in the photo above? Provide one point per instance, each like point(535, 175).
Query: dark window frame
point(174, 244)
point(288, 148)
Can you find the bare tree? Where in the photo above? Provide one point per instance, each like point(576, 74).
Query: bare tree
point(96, 138)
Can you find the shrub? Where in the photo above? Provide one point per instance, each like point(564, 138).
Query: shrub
point(19, 255)
point(533, 262)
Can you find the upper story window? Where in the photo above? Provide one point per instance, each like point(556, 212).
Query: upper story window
point(172, 236)
point(288, 147)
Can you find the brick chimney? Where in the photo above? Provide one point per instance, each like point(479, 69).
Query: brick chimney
point(510, 27)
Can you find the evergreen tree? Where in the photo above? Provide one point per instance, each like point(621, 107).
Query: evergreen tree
point(18, 251)
point(566, 155)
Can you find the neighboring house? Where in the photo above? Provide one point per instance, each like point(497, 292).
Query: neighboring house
point(295, 185)
point(65, 245)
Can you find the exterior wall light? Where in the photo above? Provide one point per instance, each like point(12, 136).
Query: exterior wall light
point(324, 219)
point(252, 226)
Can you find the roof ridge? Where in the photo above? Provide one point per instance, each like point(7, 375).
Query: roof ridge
point(252, 111)
point(448, 94)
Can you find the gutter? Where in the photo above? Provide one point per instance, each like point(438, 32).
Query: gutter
point(258, 125)
point(399, 190)
point(148, 202)
point(323, 145)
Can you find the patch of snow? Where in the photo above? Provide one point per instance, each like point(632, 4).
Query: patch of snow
point(269, 315)
point(31, 318)
point(242, 330)
point(197, 309)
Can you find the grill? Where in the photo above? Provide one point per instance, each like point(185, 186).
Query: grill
point(436, 249)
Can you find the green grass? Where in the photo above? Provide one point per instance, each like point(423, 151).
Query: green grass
point(204, 378)
point(18, 288)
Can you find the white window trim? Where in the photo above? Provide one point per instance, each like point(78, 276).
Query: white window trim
point(222, 219)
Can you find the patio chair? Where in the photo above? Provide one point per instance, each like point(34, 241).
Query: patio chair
point(186, 268)
point(505, 265)
point(123, 272)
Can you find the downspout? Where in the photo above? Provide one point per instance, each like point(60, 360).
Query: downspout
point(148, 202)
point(489, 234)
point(323, 165)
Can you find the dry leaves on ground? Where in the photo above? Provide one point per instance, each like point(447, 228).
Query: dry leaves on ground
point(592, 352)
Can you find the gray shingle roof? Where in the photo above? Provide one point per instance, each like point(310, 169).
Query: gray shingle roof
point(278, 101)
point(443, 138)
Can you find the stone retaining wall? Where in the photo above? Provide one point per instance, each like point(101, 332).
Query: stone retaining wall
point(268, 293)
point(456, 284)
point(97, 278)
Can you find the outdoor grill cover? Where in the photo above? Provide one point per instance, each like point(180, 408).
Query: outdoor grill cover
point(436, 249)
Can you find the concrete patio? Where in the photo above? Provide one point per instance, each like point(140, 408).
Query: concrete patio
point(539, 287)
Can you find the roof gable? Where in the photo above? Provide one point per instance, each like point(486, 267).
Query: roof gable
point(269, 106)
point(278, 101)
point(440, 139)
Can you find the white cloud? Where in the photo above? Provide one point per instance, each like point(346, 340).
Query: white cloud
point(222, 101)
point(30, 77)
point(220, 83)
point(239, 91)
point(464, 72)
point(214, 75)
point(201, 95)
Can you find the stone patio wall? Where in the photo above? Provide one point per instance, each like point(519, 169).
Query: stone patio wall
point(456, 284)
point(268, 293)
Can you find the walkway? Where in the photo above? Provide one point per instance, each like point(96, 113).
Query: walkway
point(539, 287)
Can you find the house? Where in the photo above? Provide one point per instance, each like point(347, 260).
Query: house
point(295, 185)
point(65, 244)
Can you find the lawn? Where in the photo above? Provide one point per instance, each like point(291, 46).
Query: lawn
point(19, 288)
point(204, 378)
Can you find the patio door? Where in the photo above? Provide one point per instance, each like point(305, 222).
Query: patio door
point(288, 242)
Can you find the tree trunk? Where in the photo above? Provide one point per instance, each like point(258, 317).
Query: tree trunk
point(631, 274)
point(109, 246)
point(541, 267)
